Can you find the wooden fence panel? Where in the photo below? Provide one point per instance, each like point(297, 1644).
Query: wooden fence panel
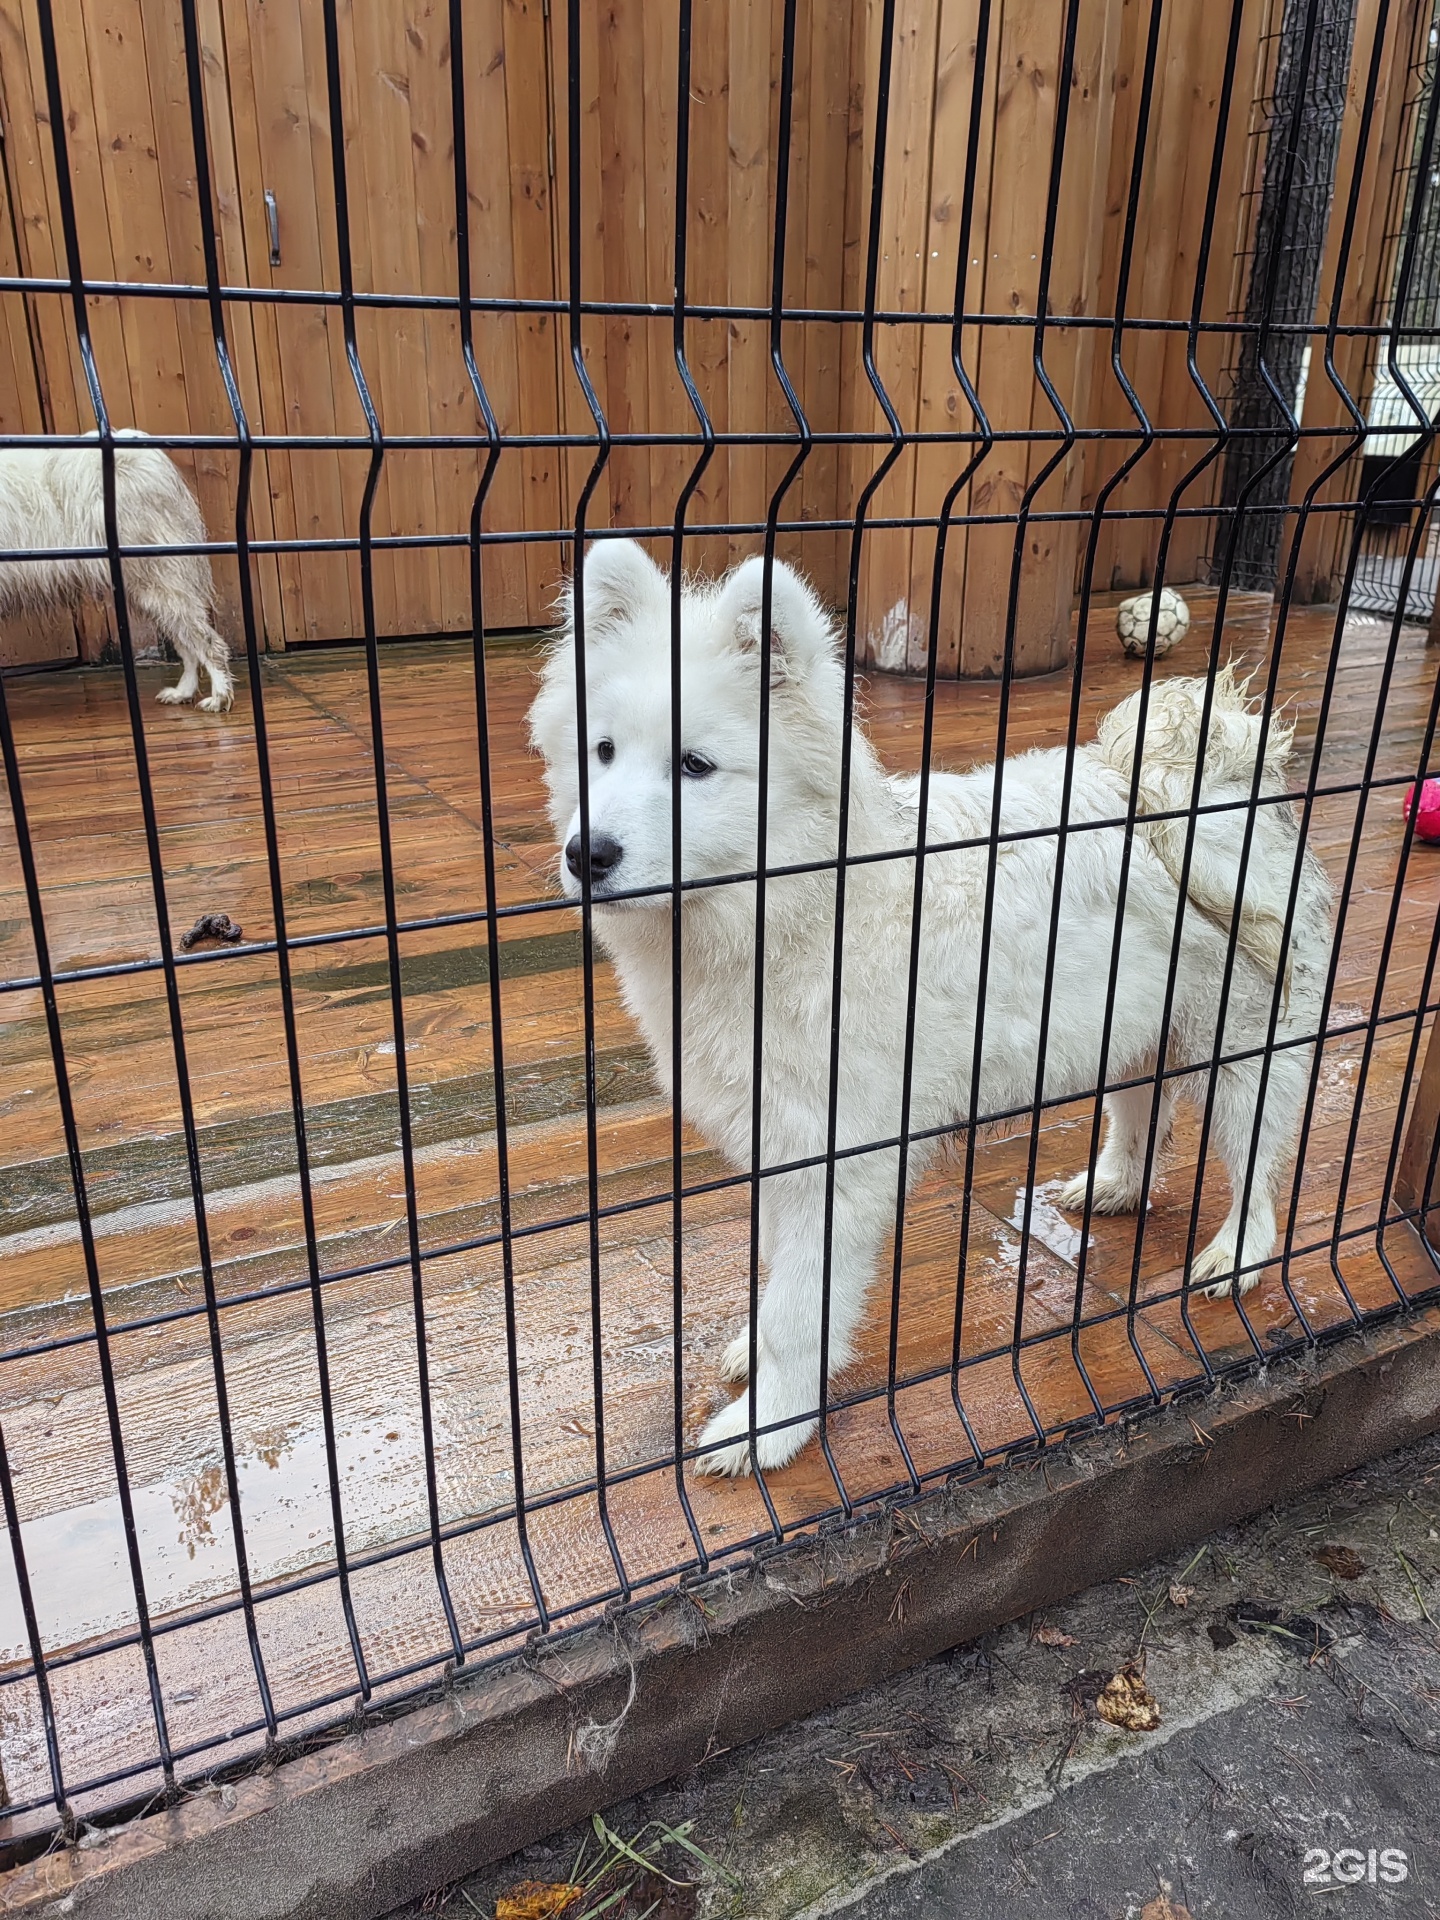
point(30, 640)
point(123, 74)
point(1194, 92)
point(1174, 168)
point(890, 618)
point(282, 146)
point(123, 77)
point(1018, 105)
point(629, 135)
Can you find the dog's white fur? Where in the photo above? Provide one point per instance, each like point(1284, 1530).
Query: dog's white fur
point(53, 497)
point(628, 682)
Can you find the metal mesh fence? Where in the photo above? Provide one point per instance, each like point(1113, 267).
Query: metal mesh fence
point(495, 1412)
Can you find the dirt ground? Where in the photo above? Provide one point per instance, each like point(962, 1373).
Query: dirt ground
point(1293, 1665)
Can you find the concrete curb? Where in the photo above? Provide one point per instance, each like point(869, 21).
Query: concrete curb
point(353, 1830)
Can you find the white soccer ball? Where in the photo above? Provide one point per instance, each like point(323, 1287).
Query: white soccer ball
point(1132, 622)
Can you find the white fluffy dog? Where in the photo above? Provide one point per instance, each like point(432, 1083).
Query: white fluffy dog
point(52, 497)
point(723, 656)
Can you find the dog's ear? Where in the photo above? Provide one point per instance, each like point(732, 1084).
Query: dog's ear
point(800, 633)
point(620, 580)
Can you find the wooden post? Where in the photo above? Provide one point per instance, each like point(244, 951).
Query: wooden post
point(1415, 1178)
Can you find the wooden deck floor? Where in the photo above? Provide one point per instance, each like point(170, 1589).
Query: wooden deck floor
point(79, 777)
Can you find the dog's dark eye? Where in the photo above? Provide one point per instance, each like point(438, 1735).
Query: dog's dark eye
point(695, 766)
point(605, 752)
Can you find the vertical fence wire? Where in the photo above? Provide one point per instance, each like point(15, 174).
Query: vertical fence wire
point(340, 183)
point(984, 440)
point(574, 130)
point(459, 126)
point(862, 507)
point(677, 866)
point(1063, 90)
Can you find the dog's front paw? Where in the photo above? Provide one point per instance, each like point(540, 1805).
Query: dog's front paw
point(173, 697)
point(735, 1361)
point(1110, 1195)
point(772, 1449)
point(216, 703)
point(1213, 1270)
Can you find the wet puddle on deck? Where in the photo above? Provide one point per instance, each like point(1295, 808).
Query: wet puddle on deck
point(79, 1566)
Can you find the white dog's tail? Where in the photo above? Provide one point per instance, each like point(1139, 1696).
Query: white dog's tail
point(1237, 739)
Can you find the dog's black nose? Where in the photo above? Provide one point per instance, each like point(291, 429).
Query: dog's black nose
point(605, 853)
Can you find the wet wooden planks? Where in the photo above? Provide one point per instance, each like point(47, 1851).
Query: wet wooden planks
point(79, 773)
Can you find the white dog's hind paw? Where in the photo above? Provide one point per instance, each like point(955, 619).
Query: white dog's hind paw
point(173, 697)
point(1110, 1195)
point(735, 1361)
point(772, 1449)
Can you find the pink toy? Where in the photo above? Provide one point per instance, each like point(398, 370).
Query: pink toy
point(1427, 814)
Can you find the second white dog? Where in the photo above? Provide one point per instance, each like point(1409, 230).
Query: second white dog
point(53, 498)
point(723, 657)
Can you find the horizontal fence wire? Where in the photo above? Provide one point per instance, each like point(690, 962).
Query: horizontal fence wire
point(310, 1403)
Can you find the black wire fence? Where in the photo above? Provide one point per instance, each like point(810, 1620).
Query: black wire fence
point(1397, 463)
point(362, 1614)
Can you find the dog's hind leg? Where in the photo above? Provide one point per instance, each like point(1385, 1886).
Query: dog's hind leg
point(215, 656)
point(199, 645)
point(176, 604)
point(185, 688)
point(1248, 1235)
point(1120, 1169)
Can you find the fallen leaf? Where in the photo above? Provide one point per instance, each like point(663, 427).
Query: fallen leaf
point(537, 1900)
point(1053, 1637)
point(1127, 1702)
point(1343, 1562)
point(1164, 1908)
point(1180, 1596)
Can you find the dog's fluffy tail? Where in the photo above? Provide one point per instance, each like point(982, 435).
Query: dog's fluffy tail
point(1238, 740)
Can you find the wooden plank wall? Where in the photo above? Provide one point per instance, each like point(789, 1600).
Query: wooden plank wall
point(628, 130)
point(932, 90)
point(128, 128)
point(132, 167)
point(394, 66)
point(30, 639)
point(932, 83)
point(1185, 124)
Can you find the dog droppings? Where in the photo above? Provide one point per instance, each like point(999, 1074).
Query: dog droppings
point(211, 926)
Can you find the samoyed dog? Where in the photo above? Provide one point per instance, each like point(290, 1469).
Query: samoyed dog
point(54, 497)
point(725, 654)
